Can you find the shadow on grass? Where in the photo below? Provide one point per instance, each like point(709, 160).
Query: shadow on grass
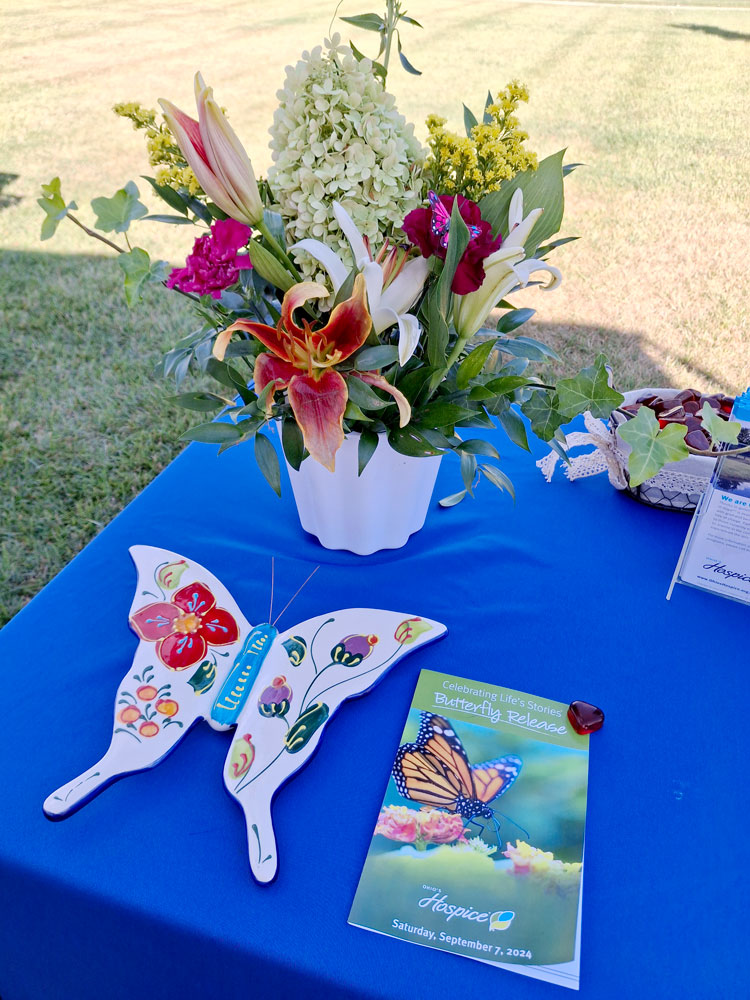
point(7, 200)
point(710, 29)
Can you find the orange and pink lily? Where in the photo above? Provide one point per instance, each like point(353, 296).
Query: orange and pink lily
point(301, 359)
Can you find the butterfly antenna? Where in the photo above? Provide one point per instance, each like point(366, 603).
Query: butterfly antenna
point(295, 594)
point(270, 610)
point(513, 823)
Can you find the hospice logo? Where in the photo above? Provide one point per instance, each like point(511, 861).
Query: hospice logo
point(438, 902)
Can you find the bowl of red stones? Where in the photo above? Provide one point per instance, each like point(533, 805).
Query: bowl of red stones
point(679, 485)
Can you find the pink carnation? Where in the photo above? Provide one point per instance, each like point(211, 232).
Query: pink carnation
point(470, 271)
point(214, 263)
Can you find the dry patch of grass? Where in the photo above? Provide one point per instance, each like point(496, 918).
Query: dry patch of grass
point(653, 101)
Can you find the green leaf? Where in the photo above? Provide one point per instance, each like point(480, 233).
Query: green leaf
point(506, 385)
point(589, 390)
point(651, 447)
point(268, 266)
point(168, 194)
point(345, 291)
point(213, 433)
point(404, 61)
point(353, 412)
point(409, 20)
point(542, 188)
point(478, 446)
point(361, 394)
point(458, 240)
point(198, 208)
point(409, 441)
point(473, 363)
point(487, 117)
point(230, 377)
point(570, 167)
point(292, 442)
point(139, 272)
point(498, 478)
point(268, 462)
point(368, 22)
point(437, 332)
point(369, 358)
point(368, 442)
point(515, 428)
point(54, 206)
point(541, 409)
point(175, 220)
point(116, 213)
point(453, 499)
point(441, 414)
point(203, 401)
point(468, 471)
point(470, 120)
point(513, 319)
point(549, 247)
point(721, 431)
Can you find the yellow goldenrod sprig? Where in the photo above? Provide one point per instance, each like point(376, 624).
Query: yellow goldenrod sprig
point(163, 151)
point(476, 164)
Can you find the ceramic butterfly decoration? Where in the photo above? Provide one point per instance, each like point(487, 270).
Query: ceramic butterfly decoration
point(199, 658)
point(435, 771)
point(441, 221)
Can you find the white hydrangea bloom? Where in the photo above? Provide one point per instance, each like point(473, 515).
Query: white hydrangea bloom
point(337, 136)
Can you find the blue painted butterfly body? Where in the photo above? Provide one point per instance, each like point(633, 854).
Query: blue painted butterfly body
point(441, 221)
point(236, 688)
point(435, 771)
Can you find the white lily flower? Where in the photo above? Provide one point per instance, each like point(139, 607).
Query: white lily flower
point(504, 270)
point(392, 286)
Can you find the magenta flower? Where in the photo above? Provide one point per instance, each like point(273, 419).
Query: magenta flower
point(214, 263)
point(470, 271)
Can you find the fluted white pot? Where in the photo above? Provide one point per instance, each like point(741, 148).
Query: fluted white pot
point(378, 510)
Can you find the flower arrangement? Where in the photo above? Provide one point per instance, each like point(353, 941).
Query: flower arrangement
point(362, 285)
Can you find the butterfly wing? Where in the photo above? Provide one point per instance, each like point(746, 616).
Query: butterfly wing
point(434, 770)
point(493, 778)
point(310, 670)
point(189, 629)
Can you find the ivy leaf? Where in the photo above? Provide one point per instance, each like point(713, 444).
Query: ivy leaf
point(139, 272)
point(721, 431)
point(116, 213)
point(542, 411)
point(589, 390)
point(54, 206)
point(651, 447)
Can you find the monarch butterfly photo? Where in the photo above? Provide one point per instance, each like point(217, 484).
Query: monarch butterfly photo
point(435, 771)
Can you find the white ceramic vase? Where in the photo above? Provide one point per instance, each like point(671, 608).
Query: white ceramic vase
point(378, 510)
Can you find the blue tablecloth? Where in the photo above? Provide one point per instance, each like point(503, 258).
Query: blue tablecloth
point(146, 891)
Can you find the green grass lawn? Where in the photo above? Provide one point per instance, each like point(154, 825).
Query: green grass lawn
point(651, 97)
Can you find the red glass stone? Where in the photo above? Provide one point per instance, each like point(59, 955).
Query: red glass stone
point(585, 718)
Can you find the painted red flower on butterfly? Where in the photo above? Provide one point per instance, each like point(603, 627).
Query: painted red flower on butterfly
point(186, 626)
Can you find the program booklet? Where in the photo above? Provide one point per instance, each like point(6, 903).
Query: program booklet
point(478, 847)
point(716, 553)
